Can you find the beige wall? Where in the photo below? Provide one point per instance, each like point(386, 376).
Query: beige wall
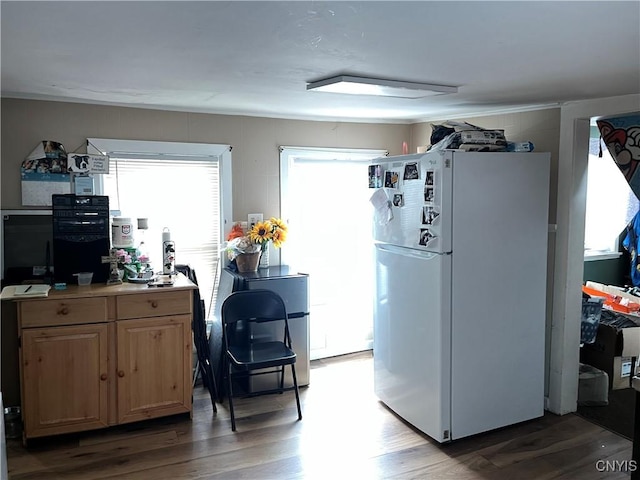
point(255, 141)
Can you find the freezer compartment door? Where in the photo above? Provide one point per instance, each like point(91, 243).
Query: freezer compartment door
point(412, 337)
point(294, 290)
point(419, 212)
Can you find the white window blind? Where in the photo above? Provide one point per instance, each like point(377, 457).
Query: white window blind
point(181, 192)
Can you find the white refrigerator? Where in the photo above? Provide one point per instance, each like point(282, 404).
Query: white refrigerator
point(461, 267)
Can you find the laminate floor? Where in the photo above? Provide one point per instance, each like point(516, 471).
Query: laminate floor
point(346, 433)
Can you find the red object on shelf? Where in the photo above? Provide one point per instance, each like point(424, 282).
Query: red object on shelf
point(613, 301)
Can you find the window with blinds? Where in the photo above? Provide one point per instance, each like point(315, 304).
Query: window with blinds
point(179, 192)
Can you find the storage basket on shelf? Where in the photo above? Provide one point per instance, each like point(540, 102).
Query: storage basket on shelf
point(591, 312)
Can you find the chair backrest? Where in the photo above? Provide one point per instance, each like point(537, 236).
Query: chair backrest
point(253, 306)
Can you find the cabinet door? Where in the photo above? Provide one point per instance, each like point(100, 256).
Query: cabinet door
point(153, 367)
point(64, 379)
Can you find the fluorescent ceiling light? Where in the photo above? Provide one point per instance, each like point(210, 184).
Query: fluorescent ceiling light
point(376, 86)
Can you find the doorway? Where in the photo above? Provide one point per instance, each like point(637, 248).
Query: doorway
point(325, 200)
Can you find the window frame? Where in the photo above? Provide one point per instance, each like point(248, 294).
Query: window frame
point(172, 150)
point(140, 149)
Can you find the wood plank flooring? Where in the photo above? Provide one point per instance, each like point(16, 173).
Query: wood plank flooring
point(346, 433)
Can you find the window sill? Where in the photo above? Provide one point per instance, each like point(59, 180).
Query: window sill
point(594, 256)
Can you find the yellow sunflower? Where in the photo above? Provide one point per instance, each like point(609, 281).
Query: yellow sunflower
point(278, 236)
point(261, 232)
point(278, 224)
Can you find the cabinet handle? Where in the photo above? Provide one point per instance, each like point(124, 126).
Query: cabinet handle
point(154, 304)
point(103, 377)
point(63, 311)
point(120, 373)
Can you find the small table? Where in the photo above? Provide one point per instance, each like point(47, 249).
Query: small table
point(635, 452)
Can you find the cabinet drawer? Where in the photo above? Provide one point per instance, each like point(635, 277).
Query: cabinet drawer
point(154, 304)
point(72, 311)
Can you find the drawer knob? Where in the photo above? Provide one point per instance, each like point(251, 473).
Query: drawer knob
point(63, 311)
point(120, 373)
point(154, 304)
point(103, 377)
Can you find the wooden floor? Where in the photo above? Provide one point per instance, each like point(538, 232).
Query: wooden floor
point(346, 433)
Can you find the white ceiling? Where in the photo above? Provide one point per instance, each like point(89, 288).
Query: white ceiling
point(255, 58)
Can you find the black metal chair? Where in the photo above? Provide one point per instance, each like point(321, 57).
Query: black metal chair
point(248, 353)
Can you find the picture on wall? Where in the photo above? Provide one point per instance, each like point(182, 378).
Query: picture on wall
point(44, 173)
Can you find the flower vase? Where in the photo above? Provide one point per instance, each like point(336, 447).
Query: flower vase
point(247, 262)
point(264, 258)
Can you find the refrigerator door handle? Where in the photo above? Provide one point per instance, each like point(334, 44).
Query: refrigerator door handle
point(407, 252)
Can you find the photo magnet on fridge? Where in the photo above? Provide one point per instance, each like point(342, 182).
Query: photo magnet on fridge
point(429, 194)
point(375, 176)
point(398, 200)
point(391, 179)
point(429, 215)
point(430, 176)
point(426, 236)
point(411, 171)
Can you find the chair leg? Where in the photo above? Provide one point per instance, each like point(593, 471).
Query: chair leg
point(211, 385)
point(281, 378)
point(195, 374)
point(295, 384)
point(230, 396)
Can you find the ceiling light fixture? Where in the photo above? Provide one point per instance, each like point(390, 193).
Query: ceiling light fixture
point(379, 87)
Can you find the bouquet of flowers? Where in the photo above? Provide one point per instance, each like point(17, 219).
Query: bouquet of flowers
point(257, 238)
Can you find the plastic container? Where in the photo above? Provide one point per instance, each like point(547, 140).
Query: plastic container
point(520, 147)
point(122, 232)
point(84, 278)
point(12, 422)
point(591, 312)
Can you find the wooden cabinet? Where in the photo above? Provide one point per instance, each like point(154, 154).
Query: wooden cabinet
point(64, 379)
point(154, 364)
point(98, 356)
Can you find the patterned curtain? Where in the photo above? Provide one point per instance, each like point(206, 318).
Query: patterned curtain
point(621, 135)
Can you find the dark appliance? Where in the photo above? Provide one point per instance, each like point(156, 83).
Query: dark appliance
point(80, 236)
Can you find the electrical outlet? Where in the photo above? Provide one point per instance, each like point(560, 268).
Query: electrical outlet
point(252, 219)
